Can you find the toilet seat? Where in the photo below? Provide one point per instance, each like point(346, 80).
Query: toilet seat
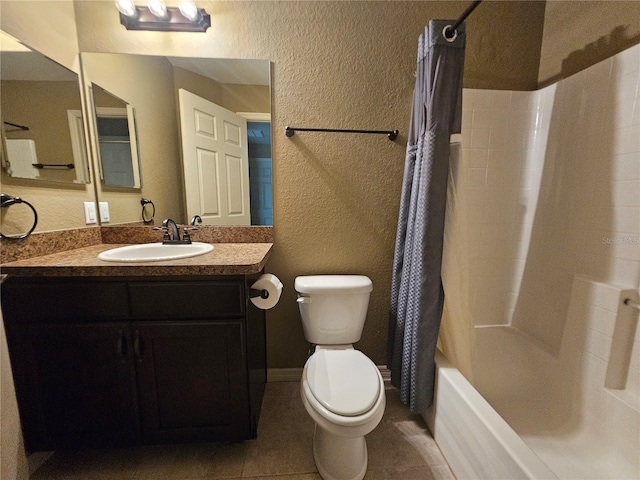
point(345, 382)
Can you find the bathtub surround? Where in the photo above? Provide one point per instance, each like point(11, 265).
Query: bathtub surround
point(416, 288)
point(541, 242)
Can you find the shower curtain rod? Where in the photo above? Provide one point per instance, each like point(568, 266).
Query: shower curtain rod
point(451, 31)
point(290, 131)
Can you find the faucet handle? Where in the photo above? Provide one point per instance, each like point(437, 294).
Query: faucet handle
point(164, 230)
point(186, 235)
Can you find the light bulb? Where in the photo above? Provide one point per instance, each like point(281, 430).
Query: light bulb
point(126, 7)
point(157, 8)
point(189, 9)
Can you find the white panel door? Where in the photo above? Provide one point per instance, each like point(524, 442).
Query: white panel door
point(215, 159)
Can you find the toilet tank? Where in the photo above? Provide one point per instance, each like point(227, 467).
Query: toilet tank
point(333, 307)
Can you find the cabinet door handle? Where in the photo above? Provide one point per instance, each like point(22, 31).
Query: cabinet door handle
point(138, 345)
point(122, 345)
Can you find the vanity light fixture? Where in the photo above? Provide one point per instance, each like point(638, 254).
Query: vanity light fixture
point(156, 16)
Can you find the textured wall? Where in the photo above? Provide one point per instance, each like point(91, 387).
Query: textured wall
point(578, 34)
point(336, 65)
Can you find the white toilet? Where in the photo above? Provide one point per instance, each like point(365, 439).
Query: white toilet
point(341, 388)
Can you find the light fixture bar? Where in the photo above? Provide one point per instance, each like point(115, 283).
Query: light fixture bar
point(176, 22)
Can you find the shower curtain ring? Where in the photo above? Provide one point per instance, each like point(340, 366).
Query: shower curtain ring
point(446, 31)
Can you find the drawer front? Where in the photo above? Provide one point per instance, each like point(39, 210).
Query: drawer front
point(64, 301)
point(187, 300)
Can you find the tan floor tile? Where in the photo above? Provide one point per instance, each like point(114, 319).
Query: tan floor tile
point(389, 446)
point(400, 448)
point(99, 464)
point(286, 451)
point(282, 389)
point(193, 461)
point(295, 476)
point(401, 439)
point(442, 472)
point(282, 410)
point(411, 473)
point(285, 435)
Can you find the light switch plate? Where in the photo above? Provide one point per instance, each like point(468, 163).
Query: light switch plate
point(104, 212)
point(90, 213)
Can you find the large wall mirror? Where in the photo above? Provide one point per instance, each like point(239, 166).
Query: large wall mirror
point(203, 134)
point(43, 134)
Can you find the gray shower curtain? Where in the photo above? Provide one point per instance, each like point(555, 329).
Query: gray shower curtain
point(417, 296)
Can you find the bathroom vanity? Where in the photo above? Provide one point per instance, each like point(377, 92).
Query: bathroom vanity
point(136, 354)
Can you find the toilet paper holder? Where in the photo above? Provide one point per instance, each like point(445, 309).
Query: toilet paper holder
point(255, 292)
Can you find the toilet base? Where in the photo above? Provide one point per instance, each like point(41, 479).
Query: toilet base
point(339, 458)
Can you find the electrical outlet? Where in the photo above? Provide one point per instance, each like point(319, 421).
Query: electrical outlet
point(90, 213)
point(104, 212)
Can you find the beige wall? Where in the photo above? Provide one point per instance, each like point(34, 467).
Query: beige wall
point(202, 86)
point(578, 34)
point(336, 65)
point(246, 98)
point(234, 97)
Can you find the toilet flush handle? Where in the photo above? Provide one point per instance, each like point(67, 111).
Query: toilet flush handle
point(303, 300)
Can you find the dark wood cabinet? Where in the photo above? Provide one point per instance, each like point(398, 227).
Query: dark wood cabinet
point(183, 397)
point(75, 384)
point(134, 361)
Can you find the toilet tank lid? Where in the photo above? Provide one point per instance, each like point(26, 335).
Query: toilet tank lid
point(333, 284)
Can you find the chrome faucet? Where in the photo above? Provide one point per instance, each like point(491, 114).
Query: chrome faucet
point(196, 218)
point(172, 233)
point(172, 229)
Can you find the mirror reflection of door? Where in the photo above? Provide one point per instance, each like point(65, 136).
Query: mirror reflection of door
point(259, 141)
point(116, 138)
point(215, 162)
point(115, 147)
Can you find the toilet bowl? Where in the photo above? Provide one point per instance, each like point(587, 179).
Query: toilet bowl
point(343, 392)
point(341, 388)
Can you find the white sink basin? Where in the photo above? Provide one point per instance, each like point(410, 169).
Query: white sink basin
point(154, 252)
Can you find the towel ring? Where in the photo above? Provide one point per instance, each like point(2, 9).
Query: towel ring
point(144, 202)
point(5, 202)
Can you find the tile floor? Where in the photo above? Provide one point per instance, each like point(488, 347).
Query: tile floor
point(400, 448)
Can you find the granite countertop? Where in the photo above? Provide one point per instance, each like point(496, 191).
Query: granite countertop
point(225, 259)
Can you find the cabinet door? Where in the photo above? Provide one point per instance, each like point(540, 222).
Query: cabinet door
point(192, 381)
point(75, 384)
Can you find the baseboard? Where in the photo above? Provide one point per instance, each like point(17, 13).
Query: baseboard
point(295, 374)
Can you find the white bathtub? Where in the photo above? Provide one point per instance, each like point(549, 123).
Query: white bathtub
point(531, 416)
point(474, 439)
